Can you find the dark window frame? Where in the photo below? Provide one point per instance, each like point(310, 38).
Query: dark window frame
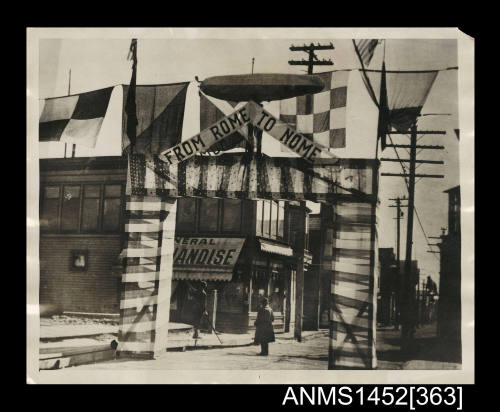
point(222, 216)
point(198, 217)
point(100, 230)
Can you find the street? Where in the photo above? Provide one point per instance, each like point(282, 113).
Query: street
point(283, 354)
point(288, 354)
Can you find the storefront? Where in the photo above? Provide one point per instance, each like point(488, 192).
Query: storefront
point(215, 261)
point(271, 270)
point(238, 273)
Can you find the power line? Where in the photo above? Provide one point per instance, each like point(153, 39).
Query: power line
point(407, 187)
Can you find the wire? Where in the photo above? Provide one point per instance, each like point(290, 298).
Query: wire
point(414, 207)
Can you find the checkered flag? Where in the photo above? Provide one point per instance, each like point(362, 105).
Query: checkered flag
point(320, 116)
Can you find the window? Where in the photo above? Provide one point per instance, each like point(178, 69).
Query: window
point(209, 215)
point(274, 218)
point(49, 215)
point(79, 259)
point(281, 219)
point(186, 214)
point(209, 212)
point(259, 217)
point(111, 214)
point(270, 219)
point(267, 219)
point(81, 208)
point(231, 218)
point(70, 209)
point(90, 211)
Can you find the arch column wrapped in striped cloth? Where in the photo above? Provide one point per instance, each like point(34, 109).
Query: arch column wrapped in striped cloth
point(353, 267)
point(147, 275)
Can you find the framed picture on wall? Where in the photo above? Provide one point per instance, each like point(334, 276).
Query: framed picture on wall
point(79, 259)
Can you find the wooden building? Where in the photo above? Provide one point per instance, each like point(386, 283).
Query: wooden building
point(389, 288)
point(81, 227)
point(449, 312)
point(317, 283)
point(243, 249)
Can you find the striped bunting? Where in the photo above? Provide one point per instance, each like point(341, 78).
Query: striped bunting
point(147, 274)
point(353, 300)
point(236, 176)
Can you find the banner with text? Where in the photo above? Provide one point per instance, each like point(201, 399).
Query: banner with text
point(250, 113)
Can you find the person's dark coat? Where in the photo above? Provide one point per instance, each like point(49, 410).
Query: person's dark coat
point(264, 331)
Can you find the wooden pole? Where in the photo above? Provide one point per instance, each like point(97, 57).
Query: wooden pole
point(299, 277)
point(69, 92)
point(212, 310)
point(408, 321)
point(300, 243)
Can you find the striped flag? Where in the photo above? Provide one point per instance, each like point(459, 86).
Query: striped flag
point(365, 48)
point(320, 117)
point(74, 119)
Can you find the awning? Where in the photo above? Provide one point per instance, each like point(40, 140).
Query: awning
point(206, 258)
point(203, 273)
point(271, 247)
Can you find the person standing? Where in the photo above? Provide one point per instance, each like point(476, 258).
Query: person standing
point(201, 312)
point(264, 332)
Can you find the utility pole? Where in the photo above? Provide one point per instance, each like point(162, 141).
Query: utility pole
point(443, 230)
point(300, 242)
point(397, 286)
point(398, 217)
point(313, 59)
point(408, 307)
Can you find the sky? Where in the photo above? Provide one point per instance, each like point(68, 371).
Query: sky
point(101, 62)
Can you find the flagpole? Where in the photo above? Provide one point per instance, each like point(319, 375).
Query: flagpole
point(383, 58)
point(69, 92)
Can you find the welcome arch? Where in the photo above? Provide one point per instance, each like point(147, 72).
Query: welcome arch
point(155, 182)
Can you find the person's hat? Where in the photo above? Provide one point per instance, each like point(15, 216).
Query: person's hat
point(265, 301)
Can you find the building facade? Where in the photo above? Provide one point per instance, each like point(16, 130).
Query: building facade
point(242, 249)
point(81, 227)
point(389, 288)
point(450, 280)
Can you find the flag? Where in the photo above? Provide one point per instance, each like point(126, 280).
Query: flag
point(365, 48)
point(406, 93)
point(383, 112)
point(160, 115)
point(320, 117)
point(210, 114)
point(130, 106)
point(74, 119)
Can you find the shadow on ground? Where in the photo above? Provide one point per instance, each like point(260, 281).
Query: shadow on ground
point(423, 349)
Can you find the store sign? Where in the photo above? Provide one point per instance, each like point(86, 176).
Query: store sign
point(207, 251)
